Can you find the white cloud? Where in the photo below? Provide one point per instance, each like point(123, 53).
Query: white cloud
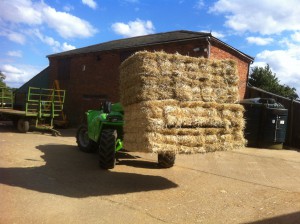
point(21, 11)
point(13, 36)
point(67, 25)
point(16, 37)
point(285, 63)
point(90, 3)
point(258, 64)
point(68, 8)
point(216, 34)
point(67, 47)
point(56, 45)
point(9, 69)
point(47, 40)
point(35, 13)
point(263, 16)
point(260, 40)
point(134, 28)
point(219, 35)
point(296, 36)
point(15, 54)
point(199, 4)
point(17, 75)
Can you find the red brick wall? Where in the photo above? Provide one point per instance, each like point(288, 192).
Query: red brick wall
point(219, 52)
point(96, 75)
point(93, 77)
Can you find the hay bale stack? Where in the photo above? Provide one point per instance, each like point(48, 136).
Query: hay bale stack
point(160, 114)
point(180, 104)
point(160, 76)
point(184, 143)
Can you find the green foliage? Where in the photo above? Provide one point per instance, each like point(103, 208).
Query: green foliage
point(265, 79)
point(7, 89)
point(2, 77)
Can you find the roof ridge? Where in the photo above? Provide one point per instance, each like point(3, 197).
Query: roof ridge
point(142, 41)
point(130, 38)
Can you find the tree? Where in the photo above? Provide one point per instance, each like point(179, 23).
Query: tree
point(265, 79)
point(2, 77)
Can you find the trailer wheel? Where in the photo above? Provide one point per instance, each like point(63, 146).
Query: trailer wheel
point(23, 125)
point(166, 160)
point(83, 141)
point(107, 149)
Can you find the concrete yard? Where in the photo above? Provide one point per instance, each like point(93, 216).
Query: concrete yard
point(46, 179)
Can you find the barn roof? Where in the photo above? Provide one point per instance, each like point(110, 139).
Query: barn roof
point(147, 40)
point(41, 80)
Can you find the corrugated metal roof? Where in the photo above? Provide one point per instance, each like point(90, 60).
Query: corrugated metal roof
point(153, 39)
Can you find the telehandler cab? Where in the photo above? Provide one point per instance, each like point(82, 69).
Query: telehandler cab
point(103, 133)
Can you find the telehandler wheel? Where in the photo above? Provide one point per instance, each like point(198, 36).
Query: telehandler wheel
point(107, 149)
point(166, 160)
point(23, 125)
point(83, 141)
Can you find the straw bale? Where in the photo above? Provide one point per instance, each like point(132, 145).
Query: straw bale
point(153, 115)
point(194, 140)
point(159, 76)
point(197, 131)
point(155, 142)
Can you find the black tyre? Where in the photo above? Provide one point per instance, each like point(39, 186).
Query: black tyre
point(107, 149)
point(23, 125)
point(166, 160)
point(83, 141)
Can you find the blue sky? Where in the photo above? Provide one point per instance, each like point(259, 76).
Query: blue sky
point(268, 30)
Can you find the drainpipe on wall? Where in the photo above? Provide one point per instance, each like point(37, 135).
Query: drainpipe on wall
point(208, 50)
point(247, 94)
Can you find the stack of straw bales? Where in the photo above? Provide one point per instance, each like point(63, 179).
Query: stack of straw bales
point(180, 104)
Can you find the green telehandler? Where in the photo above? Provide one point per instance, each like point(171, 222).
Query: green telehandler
point(103, 133)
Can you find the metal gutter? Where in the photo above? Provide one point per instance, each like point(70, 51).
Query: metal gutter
point(251, 59)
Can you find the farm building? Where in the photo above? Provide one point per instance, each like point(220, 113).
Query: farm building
point(91, 74)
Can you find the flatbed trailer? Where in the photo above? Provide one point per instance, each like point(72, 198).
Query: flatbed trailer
point(41, 107)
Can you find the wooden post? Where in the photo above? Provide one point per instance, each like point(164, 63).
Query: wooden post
point(291, 118)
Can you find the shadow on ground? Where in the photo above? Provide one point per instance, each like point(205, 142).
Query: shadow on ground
point(126, 159)
point(71, 173)
point(7, 126)
point(293, 218)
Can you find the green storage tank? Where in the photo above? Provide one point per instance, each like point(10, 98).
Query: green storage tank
point(266, 123)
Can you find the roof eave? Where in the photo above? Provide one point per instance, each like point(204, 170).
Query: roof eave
point(248, 57)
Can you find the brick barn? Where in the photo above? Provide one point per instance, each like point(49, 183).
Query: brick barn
point(91, 74)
